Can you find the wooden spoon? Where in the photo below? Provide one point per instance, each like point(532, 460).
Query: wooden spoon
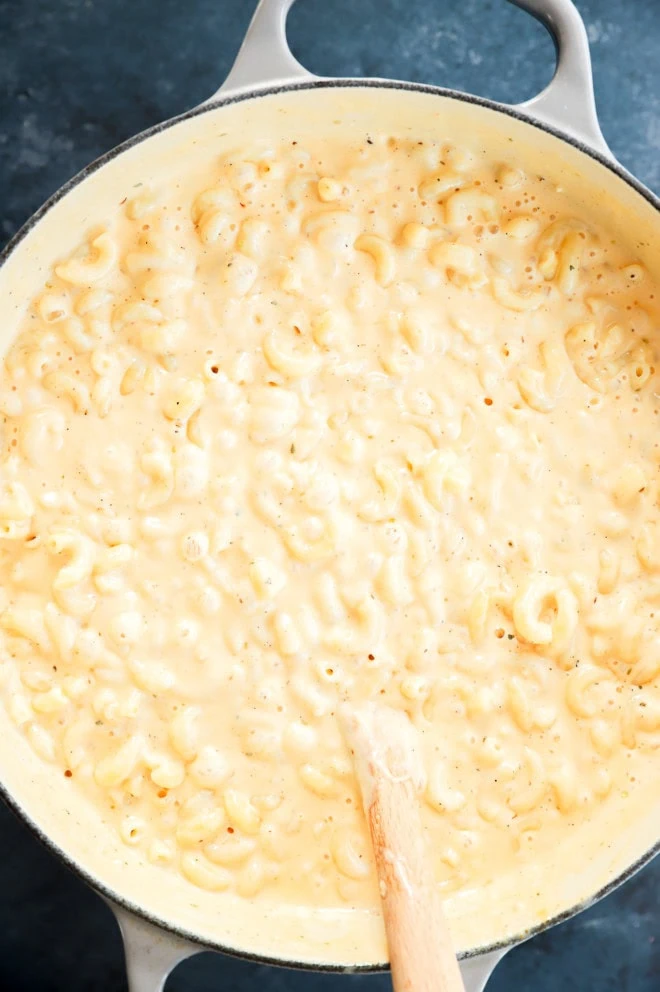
point(391, 775)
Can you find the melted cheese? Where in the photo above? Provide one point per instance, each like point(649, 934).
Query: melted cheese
point(326, 420)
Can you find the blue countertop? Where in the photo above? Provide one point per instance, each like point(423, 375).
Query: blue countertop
point(79, 76)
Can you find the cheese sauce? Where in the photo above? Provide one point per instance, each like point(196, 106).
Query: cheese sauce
point(336, 420)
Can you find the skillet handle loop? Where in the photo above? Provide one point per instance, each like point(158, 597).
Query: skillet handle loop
point(568, 101)
point(151, 954)
point(264, 58)
point(477, 971)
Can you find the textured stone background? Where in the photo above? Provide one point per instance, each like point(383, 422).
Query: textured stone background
point(79, 76)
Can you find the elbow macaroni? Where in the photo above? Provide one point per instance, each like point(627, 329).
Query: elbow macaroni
point(328, 421)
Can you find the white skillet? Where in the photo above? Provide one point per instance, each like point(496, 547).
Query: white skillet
point(161, 921)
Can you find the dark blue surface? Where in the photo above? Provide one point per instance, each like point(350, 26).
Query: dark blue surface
point(77, 77)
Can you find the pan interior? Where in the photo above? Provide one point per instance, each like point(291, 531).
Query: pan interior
point(584, 864)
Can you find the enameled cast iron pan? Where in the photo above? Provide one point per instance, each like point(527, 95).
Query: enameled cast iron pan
point(269, 93)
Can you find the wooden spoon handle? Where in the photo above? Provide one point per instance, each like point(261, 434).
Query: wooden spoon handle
point(421, 955)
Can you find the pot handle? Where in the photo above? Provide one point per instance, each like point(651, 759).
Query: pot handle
point(476, 971)
point(568, 101)
point(265, 59)
point(151, 954)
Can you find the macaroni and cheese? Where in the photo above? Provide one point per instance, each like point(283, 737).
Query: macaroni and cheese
point(326, 420)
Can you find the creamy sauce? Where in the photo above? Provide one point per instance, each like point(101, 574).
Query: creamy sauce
point(325, 421)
